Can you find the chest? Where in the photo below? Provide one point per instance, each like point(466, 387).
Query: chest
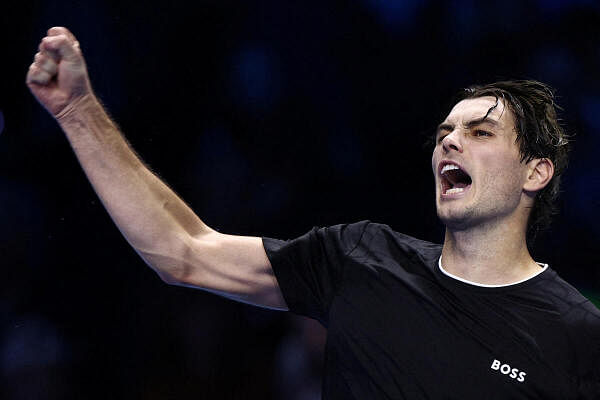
point(406, 336)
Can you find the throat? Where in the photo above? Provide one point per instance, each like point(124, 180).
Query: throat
point(487, 257)
point(489, 281)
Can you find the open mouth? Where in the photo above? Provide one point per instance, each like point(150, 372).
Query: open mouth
point(454, 179)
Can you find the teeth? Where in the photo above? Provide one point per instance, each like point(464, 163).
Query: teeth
point(455, 190)
point(449, 167)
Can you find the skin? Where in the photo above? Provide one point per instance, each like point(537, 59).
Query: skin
point(485, 236)
point(162, 229)
point(485, 240)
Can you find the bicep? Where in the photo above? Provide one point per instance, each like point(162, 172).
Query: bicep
point(236, 267)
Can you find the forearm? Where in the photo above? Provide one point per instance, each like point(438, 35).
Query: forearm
point(154, 220)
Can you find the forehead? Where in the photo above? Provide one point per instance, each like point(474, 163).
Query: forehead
point(476, 108)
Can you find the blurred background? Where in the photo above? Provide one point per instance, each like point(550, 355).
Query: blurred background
point(268, 118)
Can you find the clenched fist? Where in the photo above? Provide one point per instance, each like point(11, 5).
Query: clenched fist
point(58, 75)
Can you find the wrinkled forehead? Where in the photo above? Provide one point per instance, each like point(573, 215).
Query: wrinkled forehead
point(476, 108)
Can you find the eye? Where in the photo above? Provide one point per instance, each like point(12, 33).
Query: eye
point(480, 132)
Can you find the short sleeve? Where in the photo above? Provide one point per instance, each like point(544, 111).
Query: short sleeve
point(310, 268)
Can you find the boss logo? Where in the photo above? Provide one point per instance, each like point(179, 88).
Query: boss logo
point(507, 370)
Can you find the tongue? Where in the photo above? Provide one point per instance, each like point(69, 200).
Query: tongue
point(460, 185)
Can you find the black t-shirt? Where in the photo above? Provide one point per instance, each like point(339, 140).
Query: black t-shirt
point(400, 328)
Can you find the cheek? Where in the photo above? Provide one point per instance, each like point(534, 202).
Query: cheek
point(504, 176)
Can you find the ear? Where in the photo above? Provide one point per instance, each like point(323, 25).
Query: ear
point(539, 173)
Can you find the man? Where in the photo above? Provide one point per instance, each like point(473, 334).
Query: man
point(475, 318)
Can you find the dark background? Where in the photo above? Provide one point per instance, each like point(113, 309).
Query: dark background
point(267, 117)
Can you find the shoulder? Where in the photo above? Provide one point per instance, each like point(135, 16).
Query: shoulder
point(581, 316)
point(581, 323)
point(381, 237)
point(359, 240)
point(402, 239)
point(367, 230)
point(566, 297)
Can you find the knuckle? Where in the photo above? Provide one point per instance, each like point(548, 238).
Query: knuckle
point(49, 66)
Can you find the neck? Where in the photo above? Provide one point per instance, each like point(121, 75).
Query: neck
point(494, 253)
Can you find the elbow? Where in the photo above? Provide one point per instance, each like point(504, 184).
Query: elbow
point(168, 278)
point(170, 268)
point(171, 274)
point(180, 277)
point(167, 275)
point(176, 262)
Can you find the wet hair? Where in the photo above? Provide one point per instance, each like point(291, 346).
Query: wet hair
point(539, 135)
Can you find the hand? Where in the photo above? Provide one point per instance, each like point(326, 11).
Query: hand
point(58, 76)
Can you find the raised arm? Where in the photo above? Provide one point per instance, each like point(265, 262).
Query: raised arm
point(164, 231)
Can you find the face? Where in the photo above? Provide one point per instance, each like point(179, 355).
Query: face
point(477, 166)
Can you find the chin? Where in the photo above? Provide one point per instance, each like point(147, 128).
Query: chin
point(456, 219)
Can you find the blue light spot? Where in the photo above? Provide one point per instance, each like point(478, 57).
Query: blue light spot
point(555, 65)
point(557, 6)
point(255, 77)
point(588, 111)
point(1, 121)
point(395, 13)
point(583, 198)
point(31, 343)
point(465, 15)
point(345, 153)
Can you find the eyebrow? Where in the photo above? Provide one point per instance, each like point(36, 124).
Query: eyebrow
point(444, 126)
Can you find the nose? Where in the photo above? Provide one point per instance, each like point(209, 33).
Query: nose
point(452, 142)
